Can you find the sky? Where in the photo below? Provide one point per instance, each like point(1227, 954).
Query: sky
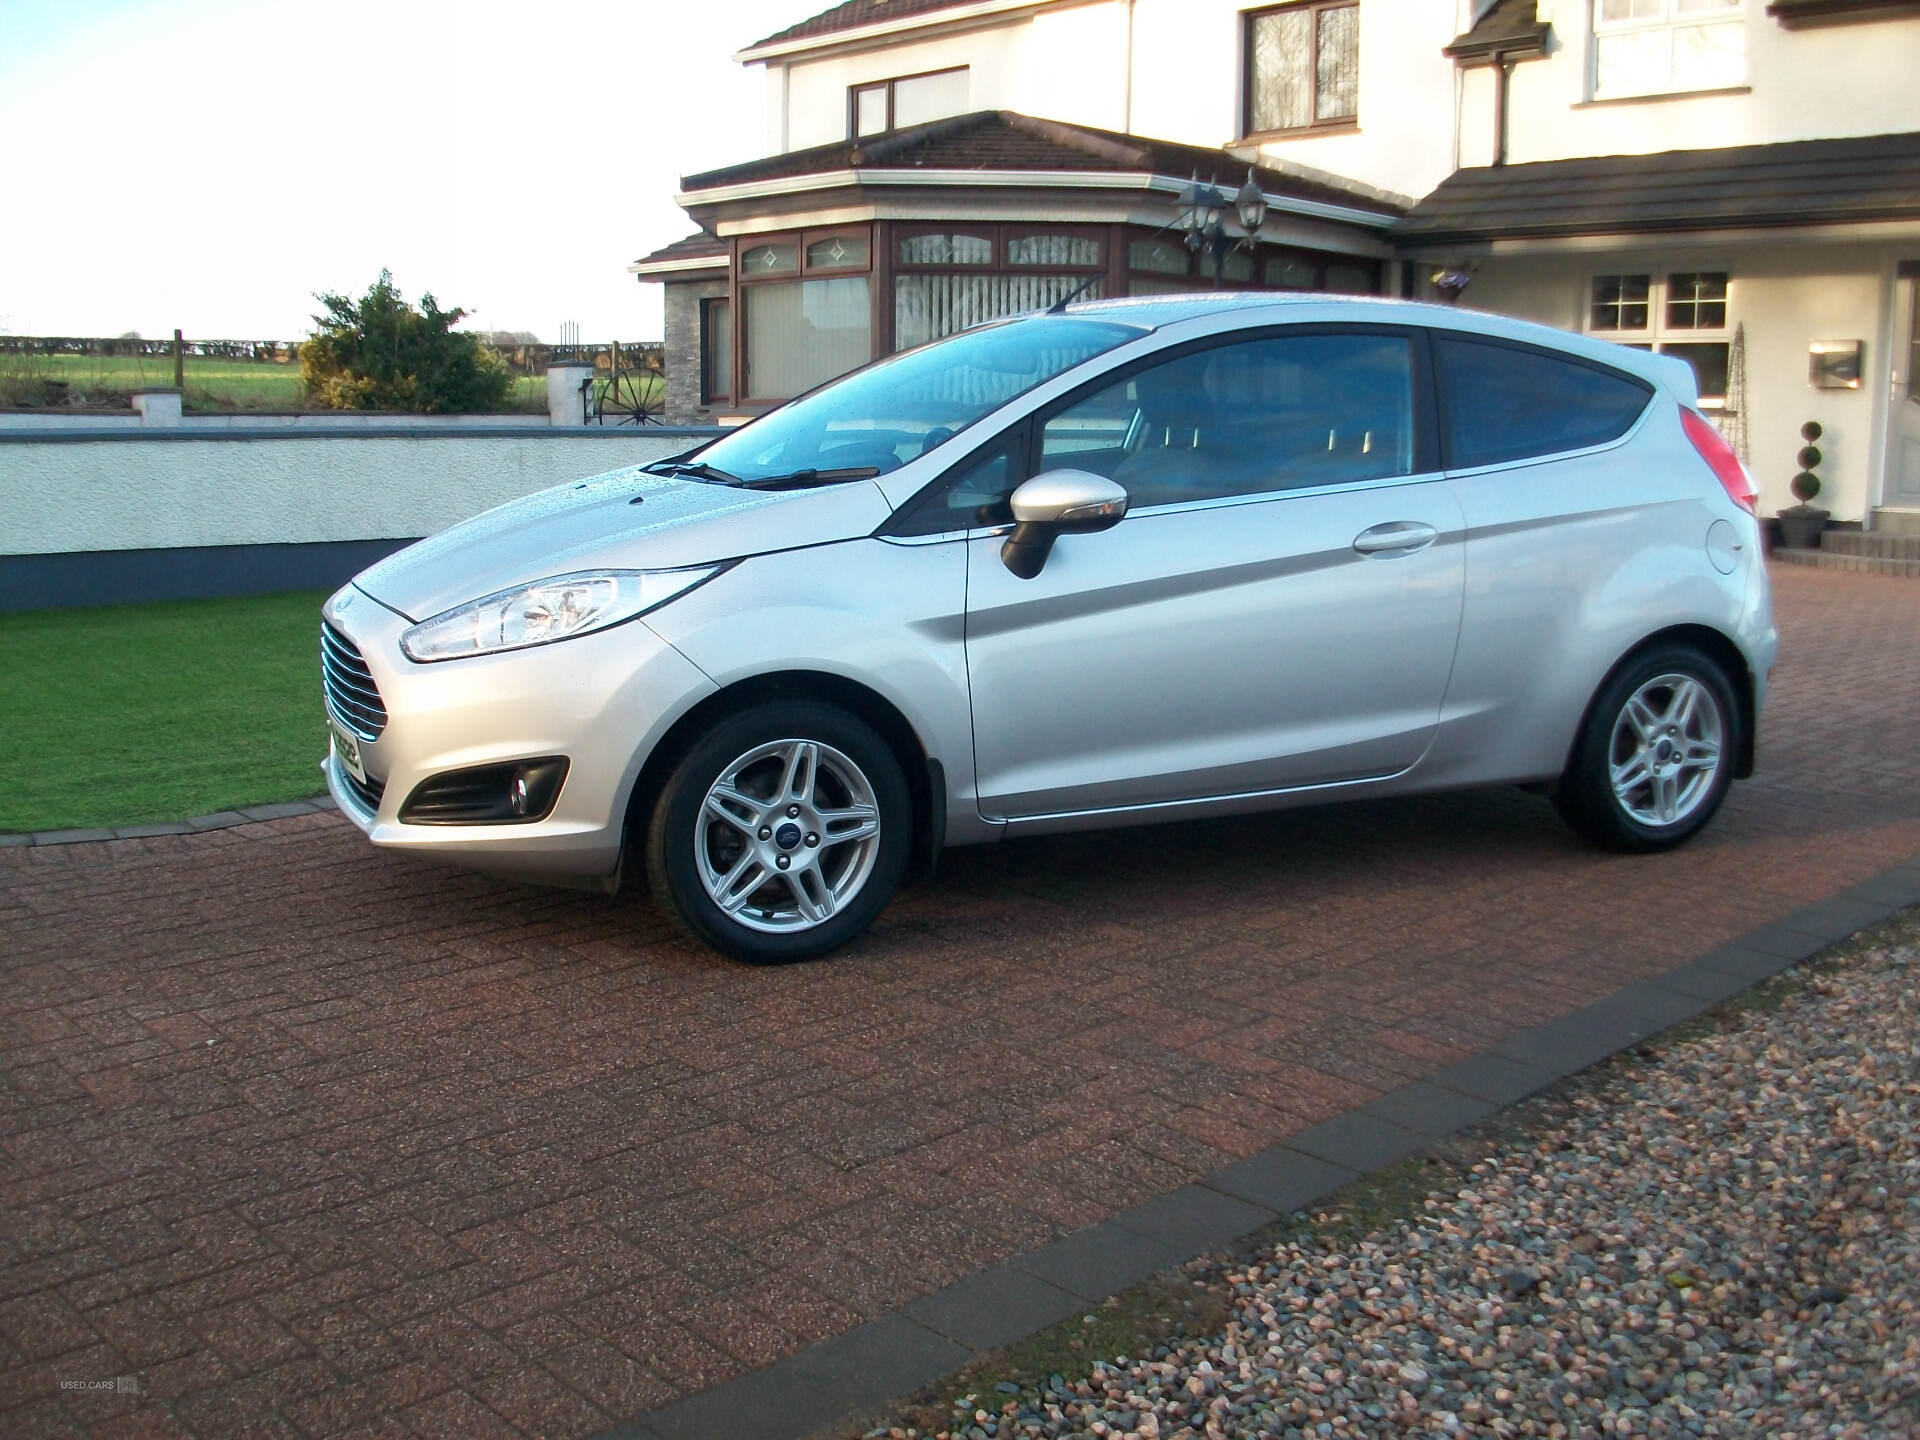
point(211, 165)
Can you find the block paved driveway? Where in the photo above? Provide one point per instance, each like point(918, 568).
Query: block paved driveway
point(312, 1141)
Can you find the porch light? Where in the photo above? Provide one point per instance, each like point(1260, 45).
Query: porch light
point(1201, 206)
point(1202, 219)
point(1251, 202)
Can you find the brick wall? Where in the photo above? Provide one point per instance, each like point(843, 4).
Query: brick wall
point(683, 299)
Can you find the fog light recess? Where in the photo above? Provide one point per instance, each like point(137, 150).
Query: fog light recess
point(516, 793)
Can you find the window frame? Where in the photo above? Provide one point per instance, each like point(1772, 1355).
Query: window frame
point(1313, 127)
point(1658, 333)
point(916, 519)
point(801, 274)
point(1671, 19)
point(973, 230)
point(811, 238)
point(854, 92)
point(1100, 235)
point(708, 375)
point(999, 236)
point(1426, 426)
point(1501, 342)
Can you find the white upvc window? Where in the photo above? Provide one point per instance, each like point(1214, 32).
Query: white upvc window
point(1686, 313)
point(878, 106)
point(1664, 47)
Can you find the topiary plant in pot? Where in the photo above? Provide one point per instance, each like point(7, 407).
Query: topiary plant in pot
point(1800, 525)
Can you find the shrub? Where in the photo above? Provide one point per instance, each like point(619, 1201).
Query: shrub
point(380, 353)
point(1806, 484)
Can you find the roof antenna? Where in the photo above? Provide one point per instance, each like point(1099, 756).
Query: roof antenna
point(1059, 307)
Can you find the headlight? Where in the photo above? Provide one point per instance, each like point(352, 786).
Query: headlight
point(547, 610)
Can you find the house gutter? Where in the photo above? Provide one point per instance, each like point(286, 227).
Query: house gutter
point(1758, 230)
point(678, 267)
point(1014, 179)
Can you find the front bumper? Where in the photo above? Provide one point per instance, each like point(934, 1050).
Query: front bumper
point(602, 700)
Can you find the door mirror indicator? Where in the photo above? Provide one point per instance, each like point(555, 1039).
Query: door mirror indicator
point(1059, 502)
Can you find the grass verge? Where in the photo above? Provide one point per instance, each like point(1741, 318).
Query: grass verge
point(127, 714)
point(1192, 1301)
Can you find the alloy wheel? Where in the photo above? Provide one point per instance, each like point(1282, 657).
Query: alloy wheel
point(1666, 750)
point(787, 835)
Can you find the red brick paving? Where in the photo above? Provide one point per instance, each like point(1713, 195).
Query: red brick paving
point(314, 1141)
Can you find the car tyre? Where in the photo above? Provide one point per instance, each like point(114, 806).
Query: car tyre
point(781, 833)
point(1655, 756)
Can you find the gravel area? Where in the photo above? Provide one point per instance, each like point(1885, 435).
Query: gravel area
point(1717, 1238)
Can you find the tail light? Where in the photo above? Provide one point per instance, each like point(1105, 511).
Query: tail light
point(1720, 459)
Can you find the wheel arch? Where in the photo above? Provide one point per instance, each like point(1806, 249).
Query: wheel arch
point(1717, 647)
point(926, 784)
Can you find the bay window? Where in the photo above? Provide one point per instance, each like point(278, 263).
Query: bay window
point(948, 278)
point(806, 311)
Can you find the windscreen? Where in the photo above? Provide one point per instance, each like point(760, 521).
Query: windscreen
point(891, 412)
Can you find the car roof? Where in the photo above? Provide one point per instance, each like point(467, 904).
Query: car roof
point(1239, 307)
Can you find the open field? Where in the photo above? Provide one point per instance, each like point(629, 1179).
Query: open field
point(138, 713)
point(212, 384)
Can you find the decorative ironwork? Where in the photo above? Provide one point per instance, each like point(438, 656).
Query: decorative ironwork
point(631, 394)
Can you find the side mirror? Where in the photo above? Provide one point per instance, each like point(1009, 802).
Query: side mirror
point(1060, 502)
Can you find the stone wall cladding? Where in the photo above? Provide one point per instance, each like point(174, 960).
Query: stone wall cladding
point(683, 299)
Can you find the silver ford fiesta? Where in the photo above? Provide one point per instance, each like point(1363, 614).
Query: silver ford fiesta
point(1113, 564)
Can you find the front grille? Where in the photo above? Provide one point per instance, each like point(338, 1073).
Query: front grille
point(351, 694)
point(368, 790)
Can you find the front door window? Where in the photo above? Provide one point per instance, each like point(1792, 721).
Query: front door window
point(1285, 413)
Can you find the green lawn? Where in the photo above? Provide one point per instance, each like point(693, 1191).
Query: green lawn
point(211, 384)
point(134, 713)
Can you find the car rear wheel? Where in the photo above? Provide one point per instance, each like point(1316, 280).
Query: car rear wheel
point(1656, 755)
point(782, 833)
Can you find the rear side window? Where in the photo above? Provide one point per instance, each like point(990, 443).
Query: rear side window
point(1509, 402)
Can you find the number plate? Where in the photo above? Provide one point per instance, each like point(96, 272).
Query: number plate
point(346, 749)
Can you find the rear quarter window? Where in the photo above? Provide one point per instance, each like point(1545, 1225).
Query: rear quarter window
point(1502, 402)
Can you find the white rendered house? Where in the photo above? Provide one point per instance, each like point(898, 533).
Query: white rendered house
point(1734, 181)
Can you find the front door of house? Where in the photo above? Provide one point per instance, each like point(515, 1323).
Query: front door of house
point(1903, 439)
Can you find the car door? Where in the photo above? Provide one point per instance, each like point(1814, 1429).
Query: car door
point(1279, 607)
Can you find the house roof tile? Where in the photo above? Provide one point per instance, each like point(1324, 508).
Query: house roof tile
point(697, 246)
point(1508, 26)
point(854, 14)
point(1795, 13)
point(1803, 182)
point(1000, 140)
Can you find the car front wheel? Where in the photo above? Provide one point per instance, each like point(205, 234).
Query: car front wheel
point(782, 833)
point(1656, 755)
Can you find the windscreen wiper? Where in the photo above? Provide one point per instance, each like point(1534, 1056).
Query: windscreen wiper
point(699, 470)
point(806, 479)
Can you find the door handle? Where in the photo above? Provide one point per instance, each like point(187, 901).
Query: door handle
point(1395, 536)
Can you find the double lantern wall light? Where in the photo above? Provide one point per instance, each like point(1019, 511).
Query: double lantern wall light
point(1202, 219)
